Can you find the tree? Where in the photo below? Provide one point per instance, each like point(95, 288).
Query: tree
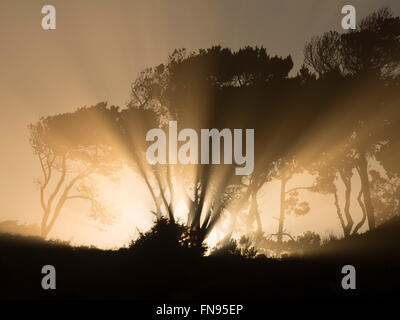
point(366, 56)
point(72, 148)
point(385, 183)
point(284, 169)
point(371, 50)
point(385, 194)
point(134, 123)
point(214, 88)
point(330, 170)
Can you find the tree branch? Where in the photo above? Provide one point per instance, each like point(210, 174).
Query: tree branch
point(300, 188)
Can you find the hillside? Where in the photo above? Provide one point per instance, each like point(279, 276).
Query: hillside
point(89, 273)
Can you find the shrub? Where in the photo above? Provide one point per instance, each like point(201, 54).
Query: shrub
point(168, 239)
point(309, 240)
point(243, 248)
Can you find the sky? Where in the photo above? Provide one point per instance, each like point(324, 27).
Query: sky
point(94, 55)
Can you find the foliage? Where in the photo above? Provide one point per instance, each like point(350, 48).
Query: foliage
point(168, 239)
point(309, 240)
point(242, 248)
point(385, 195)
point(71, 149)
point(328, 126)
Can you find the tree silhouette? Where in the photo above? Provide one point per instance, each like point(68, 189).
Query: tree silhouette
point(366, 56)
point(331, 169)
point(334, 118)
point(284, 169)
point(385, 194)
point(210, 89)
point(72, 148)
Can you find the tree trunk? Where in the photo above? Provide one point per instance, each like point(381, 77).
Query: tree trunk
point(364, 217)
point(349, 220)
point(282, 211)
point(43, 225)
point(363, 172)
point(44, 232)
point(254, 211)
point(339, 213)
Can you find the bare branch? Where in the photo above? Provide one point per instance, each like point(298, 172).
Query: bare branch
point(310, 188)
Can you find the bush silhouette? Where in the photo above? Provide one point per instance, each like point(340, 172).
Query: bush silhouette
point(168, 239)
point(233, 248)
point(309, 240)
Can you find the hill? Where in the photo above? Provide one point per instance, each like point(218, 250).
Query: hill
point(90, 273)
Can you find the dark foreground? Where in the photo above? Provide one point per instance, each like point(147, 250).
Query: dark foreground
point(83, 273)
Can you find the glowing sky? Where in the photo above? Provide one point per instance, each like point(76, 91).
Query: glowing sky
point(94, 55)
